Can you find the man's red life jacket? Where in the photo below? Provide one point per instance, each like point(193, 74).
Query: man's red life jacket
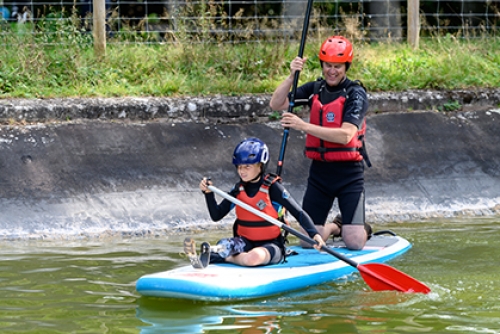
point(330, 115)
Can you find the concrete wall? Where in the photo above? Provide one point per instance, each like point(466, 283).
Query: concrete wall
point(82, 168)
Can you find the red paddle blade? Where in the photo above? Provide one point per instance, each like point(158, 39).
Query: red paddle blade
point(382, 277)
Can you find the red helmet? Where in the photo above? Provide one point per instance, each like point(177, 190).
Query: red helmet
point(336, 49)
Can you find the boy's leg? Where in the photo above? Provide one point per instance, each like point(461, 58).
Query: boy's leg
point(190, 250)
point(204, 254)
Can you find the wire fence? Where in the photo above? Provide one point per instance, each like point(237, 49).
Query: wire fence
point(234, 21)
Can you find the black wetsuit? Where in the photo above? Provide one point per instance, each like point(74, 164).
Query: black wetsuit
point(279, 196)
point(342, 180)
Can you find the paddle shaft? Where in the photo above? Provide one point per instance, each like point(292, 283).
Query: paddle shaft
point(291, 104)
point(281, 225)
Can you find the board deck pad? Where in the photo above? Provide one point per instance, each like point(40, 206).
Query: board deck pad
point(220, 282)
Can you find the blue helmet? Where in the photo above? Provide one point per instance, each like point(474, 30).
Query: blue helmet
point(251, 151)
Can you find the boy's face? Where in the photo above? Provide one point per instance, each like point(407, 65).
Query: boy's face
point(248, 172)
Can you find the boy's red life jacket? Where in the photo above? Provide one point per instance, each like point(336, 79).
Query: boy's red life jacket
point(251, 226)
point(330, 115)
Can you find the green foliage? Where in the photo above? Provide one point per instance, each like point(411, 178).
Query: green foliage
point(450, 106)
point(275, 115)
point(55, 58)
point(437, 64)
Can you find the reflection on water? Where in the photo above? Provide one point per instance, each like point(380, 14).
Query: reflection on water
point(324, 309)
point(89, 287)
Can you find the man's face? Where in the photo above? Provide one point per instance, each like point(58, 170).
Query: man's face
point(333, 73)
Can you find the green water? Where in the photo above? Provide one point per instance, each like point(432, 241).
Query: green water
point(89, 287)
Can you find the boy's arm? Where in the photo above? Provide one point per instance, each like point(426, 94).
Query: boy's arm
point(217, 211)
point(281, 196)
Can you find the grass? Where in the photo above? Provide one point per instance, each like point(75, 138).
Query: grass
point(33, 70)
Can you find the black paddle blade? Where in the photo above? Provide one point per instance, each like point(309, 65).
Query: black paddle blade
point(381, 277)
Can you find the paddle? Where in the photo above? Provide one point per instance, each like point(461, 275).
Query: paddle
point(377, 276)
point(291, 105)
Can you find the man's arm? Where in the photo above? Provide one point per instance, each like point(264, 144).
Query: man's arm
point(279, 100)
point(342, 135)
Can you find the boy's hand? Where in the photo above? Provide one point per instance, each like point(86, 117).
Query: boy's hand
point(204, 183)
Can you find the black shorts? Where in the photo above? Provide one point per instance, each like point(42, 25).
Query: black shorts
point(328, 181)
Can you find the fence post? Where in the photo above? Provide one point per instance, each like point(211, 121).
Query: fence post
point(413, 23)
point(99, 27)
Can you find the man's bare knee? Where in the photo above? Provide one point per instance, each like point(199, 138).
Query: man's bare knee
point(354, 236)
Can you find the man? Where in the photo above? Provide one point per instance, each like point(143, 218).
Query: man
point(334, 140)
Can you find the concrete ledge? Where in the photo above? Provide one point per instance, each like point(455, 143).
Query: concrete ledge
point(222, 109)
point(94, 176)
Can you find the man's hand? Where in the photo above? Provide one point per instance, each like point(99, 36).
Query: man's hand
point(297, 65)
point(290, 120)
point(319, 242)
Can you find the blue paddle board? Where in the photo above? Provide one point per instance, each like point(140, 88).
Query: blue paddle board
point(221, 282)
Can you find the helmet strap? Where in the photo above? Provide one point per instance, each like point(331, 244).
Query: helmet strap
point(262, 167)
point(256, 178)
